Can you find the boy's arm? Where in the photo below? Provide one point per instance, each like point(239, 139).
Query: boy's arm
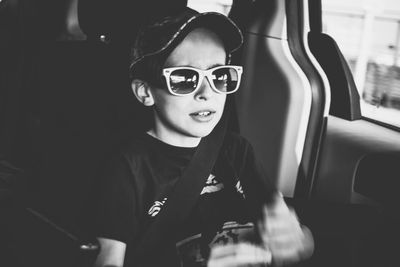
point(112, 253)
point(114, 207)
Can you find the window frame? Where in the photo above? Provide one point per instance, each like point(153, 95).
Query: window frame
point(316, 22)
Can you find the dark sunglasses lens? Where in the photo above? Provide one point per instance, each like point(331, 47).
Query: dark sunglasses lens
point(183, 81)
point(226, 79)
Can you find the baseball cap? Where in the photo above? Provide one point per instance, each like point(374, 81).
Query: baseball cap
point(165, 33)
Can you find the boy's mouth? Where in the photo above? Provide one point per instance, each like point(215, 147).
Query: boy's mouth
point(202, 115)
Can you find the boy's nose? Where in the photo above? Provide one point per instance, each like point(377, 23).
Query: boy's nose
point(205, 91)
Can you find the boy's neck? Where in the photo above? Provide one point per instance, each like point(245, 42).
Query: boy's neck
point(181, 142)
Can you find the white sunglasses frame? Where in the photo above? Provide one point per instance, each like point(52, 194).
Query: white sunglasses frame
point(202, 73)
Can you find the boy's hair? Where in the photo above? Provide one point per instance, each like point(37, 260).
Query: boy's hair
point(150, 70)
point(157, 39)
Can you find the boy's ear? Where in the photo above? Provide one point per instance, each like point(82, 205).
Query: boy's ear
point(142, 92)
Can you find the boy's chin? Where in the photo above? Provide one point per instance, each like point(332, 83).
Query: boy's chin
point(201, 133)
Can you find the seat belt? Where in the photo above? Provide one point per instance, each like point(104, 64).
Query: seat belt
point(184, 195)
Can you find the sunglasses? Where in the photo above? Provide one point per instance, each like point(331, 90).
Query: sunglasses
point(183, 81)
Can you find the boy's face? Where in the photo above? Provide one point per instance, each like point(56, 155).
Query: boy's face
point(183, 120)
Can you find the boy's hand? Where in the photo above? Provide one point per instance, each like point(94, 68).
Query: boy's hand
point(284, 241)
point(282, 234)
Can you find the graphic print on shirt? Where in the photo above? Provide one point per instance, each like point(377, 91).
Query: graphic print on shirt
point(239, 189)
point(155, 209)
point(212, 185)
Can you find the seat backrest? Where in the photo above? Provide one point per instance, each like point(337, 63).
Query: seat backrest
point(274, 101)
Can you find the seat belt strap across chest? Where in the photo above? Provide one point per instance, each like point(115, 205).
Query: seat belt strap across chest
point(184, 194)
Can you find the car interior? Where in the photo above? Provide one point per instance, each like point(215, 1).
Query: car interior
point(66, 103)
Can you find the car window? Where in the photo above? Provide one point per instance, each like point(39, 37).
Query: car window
point(368, 34)
point(221, 6)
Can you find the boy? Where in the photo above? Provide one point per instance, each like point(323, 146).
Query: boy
point(179, 69)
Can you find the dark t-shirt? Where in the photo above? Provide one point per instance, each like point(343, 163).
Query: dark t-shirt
point(136, 183)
